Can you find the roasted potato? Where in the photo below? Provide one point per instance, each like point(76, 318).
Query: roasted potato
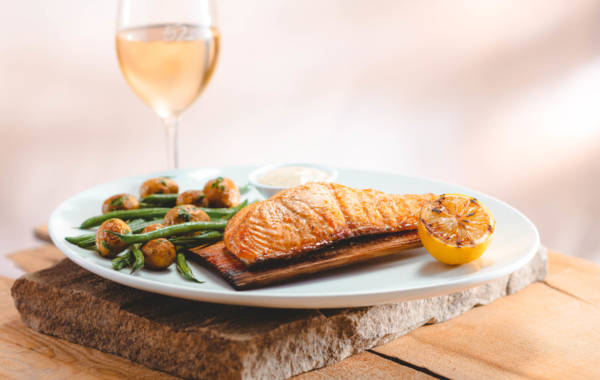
point(222, 192)
point(120, 202)
point(159, 185)
point(159, 254)
point(153, 227)
point(108, 244)
point(184, 214)
point(192, 197)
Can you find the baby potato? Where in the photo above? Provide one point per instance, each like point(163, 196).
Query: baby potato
point(120, 202)
point(153, 227)
point(159, 254)
point(222, 192)
point(192, 197)
point(110, 245)
point(159, 185)
point(184, 214)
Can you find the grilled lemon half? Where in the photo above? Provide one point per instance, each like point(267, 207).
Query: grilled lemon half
point(456, 229)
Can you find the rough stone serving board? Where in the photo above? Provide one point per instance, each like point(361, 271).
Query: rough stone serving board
point(212, 341)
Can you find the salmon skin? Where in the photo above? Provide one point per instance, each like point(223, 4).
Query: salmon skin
point(308, 217)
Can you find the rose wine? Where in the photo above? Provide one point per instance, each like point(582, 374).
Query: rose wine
point(168, 66)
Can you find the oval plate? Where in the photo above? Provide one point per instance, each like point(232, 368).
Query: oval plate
point(399, 277)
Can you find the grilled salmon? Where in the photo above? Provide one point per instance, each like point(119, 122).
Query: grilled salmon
point(307, 217)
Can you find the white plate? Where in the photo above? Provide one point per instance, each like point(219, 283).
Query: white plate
point(400, 277)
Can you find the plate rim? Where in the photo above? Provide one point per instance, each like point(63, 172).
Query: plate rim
point(292, 301)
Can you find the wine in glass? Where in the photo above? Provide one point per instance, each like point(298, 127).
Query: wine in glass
point(168, 51)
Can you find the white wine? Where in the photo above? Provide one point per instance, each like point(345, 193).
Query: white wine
point(168, 66)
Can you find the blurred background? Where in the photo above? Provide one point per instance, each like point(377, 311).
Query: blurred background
point(499, 96)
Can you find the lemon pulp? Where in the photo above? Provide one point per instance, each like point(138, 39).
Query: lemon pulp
point(456, 229)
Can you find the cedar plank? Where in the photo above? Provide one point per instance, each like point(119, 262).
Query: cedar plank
point(350, 251)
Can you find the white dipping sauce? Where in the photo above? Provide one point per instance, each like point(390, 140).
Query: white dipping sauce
point(289, 176)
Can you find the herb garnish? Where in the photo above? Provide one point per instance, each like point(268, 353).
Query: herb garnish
point(215, 185)
point(107, 246)
point(183, 213)
point(117, 202)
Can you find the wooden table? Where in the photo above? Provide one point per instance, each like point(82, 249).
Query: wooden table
point(549, 330)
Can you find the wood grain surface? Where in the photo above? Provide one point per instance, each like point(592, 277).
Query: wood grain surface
point(548, 330)
point(35, 259)
point(41, 233)
point(365, 366)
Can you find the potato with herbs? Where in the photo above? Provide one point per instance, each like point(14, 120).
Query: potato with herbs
point(222, 192)
point(120, 202)
point(110, 245)
point(184, 214)
point(153, 227)
point(192, 197)
point(159, 185)
point(159, 254)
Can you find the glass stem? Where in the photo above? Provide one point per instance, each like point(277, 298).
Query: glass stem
point(172, 126)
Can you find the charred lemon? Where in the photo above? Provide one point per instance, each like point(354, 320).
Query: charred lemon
point(456, 229)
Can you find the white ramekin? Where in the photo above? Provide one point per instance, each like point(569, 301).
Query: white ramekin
point(268, 191)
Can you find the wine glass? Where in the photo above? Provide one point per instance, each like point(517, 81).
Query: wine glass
point(168, 51)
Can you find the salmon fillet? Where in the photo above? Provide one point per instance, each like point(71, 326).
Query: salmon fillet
point(307, 217)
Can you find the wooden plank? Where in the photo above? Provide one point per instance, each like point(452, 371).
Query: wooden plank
point(35, 259)
point(340, 254)
point(41, 233)
point(578, 277)
point(27, 354)
point(6, 282)
point(365, 366)
point(539, 333)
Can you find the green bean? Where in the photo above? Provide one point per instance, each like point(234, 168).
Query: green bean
point(126, 214)
point(139, 257)
point(206, 237)
point(214, 213)
point(88, 240)
point(140, 227)
point(184, 269)
point(93, 248)
point(123, 261)
point(178, 229)
point(237, 208)
point(246, 188)
point(133, 222)
point(224, 213)
point(160, 199)
point(77, 239)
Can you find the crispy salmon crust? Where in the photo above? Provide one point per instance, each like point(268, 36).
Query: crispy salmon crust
point(307, 217)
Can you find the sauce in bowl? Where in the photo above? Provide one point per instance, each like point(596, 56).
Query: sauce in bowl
point(289, 176)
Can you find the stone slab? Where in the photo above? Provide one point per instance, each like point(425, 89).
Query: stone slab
point(207, 341)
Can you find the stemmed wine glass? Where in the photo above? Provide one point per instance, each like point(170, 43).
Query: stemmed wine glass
point(168, 51)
